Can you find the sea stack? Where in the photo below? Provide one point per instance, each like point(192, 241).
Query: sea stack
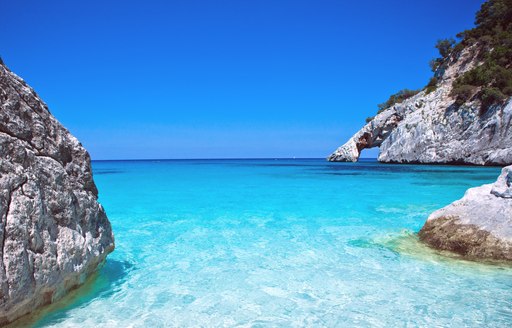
point(53, 231)
point(478, 226)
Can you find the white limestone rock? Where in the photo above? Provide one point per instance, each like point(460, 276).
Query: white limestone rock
point(430, 128)
point(478, 226)
point(53, 232)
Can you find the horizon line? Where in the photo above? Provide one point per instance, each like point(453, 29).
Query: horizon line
point(218, 158)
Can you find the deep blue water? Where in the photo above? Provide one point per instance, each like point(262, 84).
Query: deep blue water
point(257, 243)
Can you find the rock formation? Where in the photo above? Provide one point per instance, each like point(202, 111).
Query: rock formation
point(478, 226)
point(431, 128)
point(53, 232)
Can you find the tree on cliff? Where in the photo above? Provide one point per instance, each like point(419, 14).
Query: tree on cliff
point(490, 82)
point(445, 46)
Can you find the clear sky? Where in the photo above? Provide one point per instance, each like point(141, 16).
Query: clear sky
point(217, 79)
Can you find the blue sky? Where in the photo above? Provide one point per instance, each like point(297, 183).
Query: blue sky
point(218, 79)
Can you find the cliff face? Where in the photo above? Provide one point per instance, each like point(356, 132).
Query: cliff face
point(478, 226)
point(53, 232)
point(431, 128)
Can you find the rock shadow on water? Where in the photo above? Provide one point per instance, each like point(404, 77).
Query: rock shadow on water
point(102, 284)
point(345, 173)
point(384, 168)
point(407, 244)
point(106, 171)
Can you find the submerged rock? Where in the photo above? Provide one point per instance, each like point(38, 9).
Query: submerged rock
point(432, 128)
point(478, 226)
point(53, 231)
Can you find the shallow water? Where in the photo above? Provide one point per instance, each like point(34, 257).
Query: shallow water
point(258, 243)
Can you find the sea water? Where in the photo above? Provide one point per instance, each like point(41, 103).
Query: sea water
point(282, 243)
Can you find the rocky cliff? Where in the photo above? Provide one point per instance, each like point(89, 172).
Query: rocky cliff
point(433, 128)
point(53, 232)
point(478, 226)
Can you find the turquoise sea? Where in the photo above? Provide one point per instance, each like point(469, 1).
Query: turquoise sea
point(282, 243)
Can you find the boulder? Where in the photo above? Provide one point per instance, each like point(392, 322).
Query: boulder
point(53, 231)
point(478, 226)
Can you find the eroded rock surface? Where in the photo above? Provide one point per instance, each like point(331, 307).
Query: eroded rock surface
point(431, 128)
point(478, 226)
point(53, 232)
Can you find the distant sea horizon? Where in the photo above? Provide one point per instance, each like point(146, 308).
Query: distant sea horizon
point(224, 158)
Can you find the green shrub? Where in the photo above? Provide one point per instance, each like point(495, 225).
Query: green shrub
point(397, 98)
point(478, 76)
point(485, 40)
point(431, 86)
point(435, 64)
point(445, 47)
point(462, 93)
point(502, 78)
point(491, 96)
point(369, 119)
point(507, 91)
point(493, 38)
point(458, 48)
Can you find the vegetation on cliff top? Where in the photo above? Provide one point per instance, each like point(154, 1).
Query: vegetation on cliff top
point(394, 99)
point(490, 82)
